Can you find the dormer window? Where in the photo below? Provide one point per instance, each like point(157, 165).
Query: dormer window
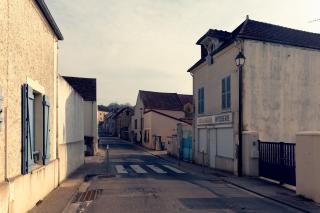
point(210, 44)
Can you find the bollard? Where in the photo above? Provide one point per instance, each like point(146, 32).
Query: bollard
point(202, 161)
point(107, 159)
point(179, 157)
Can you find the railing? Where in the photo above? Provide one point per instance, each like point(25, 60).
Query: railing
point(277, 161)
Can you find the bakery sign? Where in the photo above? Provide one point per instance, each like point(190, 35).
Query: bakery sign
point(223, 118)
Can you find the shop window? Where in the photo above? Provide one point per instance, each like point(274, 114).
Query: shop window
point(35, 129)
point(226, 93)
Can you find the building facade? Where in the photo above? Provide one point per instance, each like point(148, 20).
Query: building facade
point(70, 129)
point(278, 96)
point(156, 115)
point(87, 88)
point(28, 65)
point(123, 122)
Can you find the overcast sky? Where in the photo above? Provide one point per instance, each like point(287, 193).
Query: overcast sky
point(149, 44)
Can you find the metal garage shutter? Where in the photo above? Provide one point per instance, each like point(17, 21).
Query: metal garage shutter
point(225, 145)
point(203, 140)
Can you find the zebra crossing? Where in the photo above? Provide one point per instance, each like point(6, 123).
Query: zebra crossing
point(145, 169)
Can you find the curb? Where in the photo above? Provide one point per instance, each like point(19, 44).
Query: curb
point(265, 196)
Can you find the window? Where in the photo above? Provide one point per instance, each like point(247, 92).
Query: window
point(35, 129)
point(135, 124)
point(201, 100)
point(226, 93)
point(146, 136)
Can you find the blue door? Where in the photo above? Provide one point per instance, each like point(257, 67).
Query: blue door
point(186, 148)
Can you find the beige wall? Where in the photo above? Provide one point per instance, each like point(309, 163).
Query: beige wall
point(209, 77)
point(70, 129)
point(28, 51)
point(281, 90)
point(307, 165)
point(176, 114)
point(101, 115)
point(26, 31)
point(137, 115)
point(159, 125)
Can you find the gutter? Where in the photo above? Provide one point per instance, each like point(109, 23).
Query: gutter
point(45, 11)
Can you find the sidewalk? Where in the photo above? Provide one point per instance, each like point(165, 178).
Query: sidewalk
point(255, 185)
point(57, 200)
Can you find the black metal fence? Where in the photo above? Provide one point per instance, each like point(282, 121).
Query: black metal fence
point(277, 161)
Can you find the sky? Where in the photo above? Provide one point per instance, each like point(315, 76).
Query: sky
point(132, 45)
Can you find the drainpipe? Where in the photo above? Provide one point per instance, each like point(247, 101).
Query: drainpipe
point(240, 123)
point(240, 60)
point(57, 116)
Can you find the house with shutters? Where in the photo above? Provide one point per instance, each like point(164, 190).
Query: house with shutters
point(35, 102)
point(156, 115)
point(271, 95)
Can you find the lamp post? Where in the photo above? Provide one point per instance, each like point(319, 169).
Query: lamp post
point(240, 60)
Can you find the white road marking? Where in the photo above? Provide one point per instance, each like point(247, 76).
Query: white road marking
point(118, 160)
point(121, 170)
point(174, 169)
point(156, 169)
point(138, 169)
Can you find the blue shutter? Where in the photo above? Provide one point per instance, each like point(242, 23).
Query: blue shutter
point(46, 130)
point(202, 102)
point(28, 129)
point(223, 99)
point(199, 101)
point(228, 104)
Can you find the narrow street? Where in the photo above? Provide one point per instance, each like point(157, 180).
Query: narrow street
point(136, 181)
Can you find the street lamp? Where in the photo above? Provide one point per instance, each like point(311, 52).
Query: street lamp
point(240, 60)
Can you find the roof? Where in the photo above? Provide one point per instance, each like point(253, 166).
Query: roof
point(103, 108)
point(184, 99)
point(121, 110)
point(46, 13)
point(86, 87)
point(260, 31)
point(215, 34)
point(162, 100)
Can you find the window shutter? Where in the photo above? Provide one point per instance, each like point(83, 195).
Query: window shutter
point(199, 101)
point(46, 130)
point(223, 102)
point(202, 102)
point(27, 127)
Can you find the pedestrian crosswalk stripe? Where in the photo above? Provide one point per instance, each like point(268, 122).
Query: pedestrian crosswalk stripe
point(138, 169)
point(121, 170)
point(156, 169)
point(174, 169)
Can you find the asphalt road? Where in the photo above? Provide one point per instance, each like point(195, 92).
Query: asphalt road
point(139, 182)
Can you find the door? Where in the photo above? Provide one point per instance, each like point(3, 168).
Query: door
point(187, 145)
point(212, 147)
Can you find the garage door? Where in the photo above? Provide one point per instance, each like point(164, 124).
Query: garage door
point(203, 140)
point(225, 145)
